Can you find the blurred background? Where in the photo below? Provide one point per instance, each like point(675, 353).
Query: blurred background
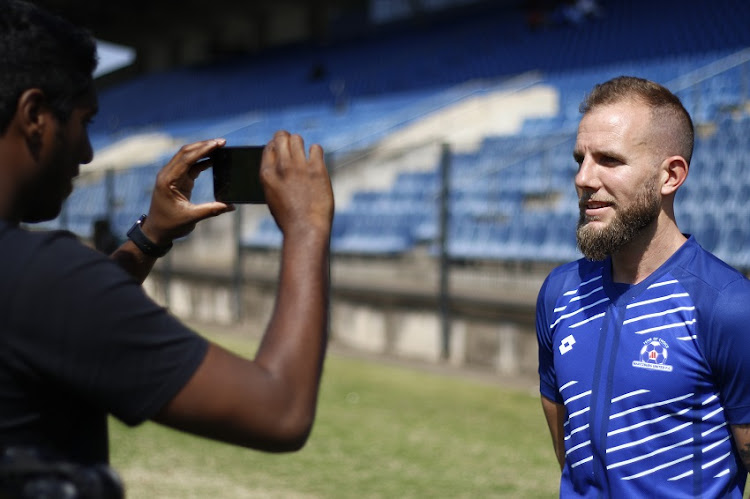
point(448, 127)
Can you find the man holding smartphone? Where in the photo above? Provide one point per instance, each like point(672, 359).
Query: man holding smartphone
point(79, 339)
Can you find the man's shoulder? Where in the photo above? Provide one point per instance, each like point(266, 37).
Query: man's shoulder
point(31, 236)
point(579, 270)
point(41, 249)
point(570, 276)
point(707, 270)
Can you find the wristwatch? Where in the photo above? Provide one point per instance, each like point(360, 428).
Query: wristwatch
point(146, 245)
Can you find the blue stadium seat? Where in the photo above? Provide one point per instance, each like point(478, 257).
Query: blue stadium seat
point(496, 205)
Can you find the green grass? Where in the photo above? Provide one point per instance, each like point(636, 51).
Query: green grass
point(381, 431)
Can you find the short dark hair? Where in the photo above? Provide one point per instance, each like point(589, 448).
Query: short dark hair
point(664, 106)
point(41, 50)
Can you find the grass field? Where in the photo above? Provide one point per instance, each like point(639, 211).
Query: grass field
point(381, 431)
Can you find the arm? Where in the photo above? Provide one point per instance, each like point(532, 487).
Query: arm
point(269, 403)
point(554, 412)
point(171, 214)
point(555, 415)
point(725, 349)
point(135, 263)
point(741, 433)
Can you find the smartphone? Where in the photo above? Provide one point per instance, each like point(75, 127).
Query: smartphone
point(237, 174)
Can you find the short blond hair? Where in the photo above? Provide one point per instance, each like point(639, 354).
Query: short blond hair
point(666, 107)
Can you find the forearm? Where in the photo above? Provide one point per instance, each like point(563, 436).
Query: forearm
point(135, 263)
point(294, 345)
point(741, 433)
point(555, 415)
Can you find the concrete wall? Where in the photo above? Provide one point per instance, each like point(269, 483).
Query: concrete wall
point(376, 319)
point(504, 347)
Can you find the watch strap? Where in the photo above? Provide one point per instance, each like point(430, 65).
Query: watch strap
point(146, 245)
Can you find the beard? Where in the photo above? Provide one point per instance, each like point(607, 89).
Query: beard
point(597, 244)
point(43, 195)
point(50, 204)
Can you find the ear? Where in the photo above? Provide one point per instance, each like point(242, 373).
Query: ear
point(674, 173)
point(32, 113)
point(33, 119)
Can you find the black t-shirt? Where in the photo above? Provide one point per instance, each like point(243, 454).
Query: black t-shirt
point(79, 339)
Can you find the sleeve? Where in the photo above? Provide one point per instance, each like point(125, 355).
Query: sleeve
point(90, 328)
point(547, 376)
point(727, 349)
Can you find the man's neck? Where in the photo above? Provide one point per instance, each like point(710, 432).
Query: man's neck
point(642, 256)
point(11, 156)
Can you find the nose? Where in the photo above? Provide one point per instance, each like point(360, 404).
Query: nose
point(586, 178)
point(87, 152)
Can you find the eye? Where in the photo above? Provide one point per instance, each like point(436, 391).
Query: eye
point(87, 116)
point(609, 160)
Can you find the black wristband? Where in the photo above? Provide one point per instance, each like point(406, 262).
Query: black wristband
point(147, 247)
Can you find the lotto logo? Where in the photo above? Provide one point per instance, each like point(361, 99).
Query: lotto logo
point(566, 345)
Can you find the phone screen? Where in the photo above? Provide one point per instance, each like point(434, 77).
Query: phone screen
point(237, 174)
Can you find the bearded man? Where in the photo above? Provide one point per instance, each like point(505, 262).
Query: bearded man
point(643, 365)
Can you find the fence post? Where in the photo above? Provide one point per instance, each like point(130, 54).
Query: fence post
point(64, 218)
point(444, 292)
point(166, 280)
point(237, 276)
point(109, 193)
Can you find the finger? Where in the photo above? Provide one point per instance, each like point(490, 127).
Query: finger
point(203, 211)
point(268, 157)
point(189, 154)
point(281, 133)
point(297, 148)
point(281, 139)
point(199, 167)
point(317, 154)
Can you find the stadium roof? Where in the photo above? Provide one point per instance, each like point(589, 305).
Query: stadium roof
point(112, 57)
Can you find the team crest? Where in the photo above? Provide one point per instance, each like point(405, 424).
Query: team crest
point(654, 355)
